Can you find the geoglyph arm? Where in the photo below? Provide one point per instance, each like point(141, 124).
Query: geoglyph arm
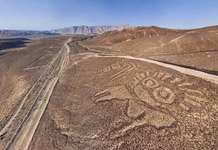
point(116, 92)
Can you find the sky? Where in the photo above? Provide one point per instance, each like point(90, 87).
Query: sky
point(53, 14)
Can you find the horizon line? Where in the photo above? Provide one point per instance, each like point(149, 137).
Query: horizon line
point(44, 30)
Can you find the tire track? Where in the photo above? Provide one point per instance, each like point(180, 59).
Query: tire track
point(14, 129)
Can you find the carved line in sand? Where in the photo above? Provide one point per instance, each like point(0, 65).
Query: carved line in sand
point(150, 92)
point(124, 66)
point(191, 96)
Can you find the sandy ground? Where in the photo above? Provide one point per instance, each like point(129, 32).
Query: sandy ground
point(111, 101)
point(36, 70)
point(201, 60)
point(57, 94)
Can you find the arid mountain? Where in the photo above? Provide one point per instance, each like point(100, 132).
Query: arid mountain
point(87, 30)
point(24, 33)
point(196, 48)
point(155, 40)
point(129, 34)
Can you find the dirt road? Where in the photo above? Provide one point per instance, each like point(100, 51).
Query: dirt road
point(206, 76)
point(18, 131)
point(108, 100)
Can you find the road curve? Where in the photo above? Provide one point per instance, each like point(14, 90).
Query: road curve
point(200, 74)
point(192, 72)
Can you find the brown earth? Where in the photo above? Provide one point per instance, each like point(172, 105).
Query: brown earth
point(20, 71)
point(20, 68)
point(196, 48)
point(81, 93)
point(103, 101)
point(206, 61)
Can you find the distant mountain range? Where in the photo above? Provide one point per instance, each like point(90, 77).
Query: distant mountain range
point(88, 30)
point(24, 33)
point(83, 29)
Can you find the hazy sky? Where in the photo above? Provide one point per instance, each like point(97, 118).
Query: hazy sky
point(50, 14)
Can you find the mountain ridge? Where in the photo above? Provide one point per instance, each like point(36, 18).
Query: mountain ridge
point(80, 29)
point(89, 30)
point(158, 40)
point(24, 33)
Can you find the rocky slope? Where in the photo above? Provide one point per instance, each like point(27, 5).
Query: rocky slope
point(156, 40)
point(87, 30)
point(196, 48)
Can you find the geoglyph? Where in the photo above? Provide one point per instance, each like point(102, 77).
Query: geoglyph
point(146, 106)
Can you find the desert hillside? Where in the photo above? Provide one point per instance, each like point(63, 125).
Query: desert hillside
point(156, 40)
point(196, 48)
